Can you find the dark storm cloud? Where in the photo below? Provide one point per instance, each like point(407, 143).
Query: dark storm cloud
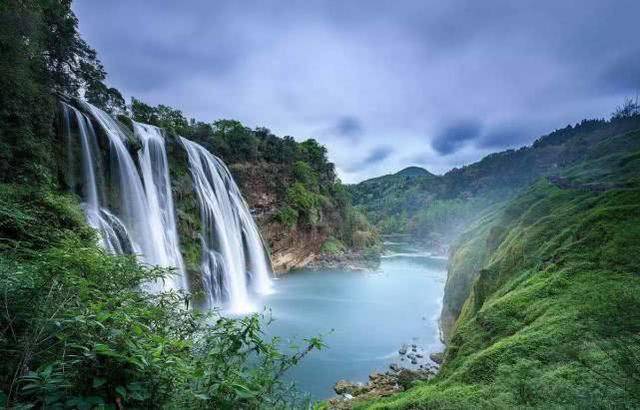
point(376, 155)
point(363, 74)
point(349, 126)
point(455, 135)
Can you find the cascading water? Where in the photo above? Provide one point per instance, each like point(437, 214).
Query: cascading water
point(113, 234)
point(228, 229)
point(161, 213)
point(143, 220)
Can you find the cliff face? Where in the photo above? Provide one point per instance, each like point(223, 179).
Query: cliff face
point(264, 186)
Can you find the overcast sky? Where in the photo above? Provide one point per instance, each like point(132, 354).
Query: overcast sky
point(383, 84)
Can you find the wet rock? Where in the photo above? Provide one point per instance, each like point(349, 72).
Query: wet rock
point(346, 387)
point(419, 355)
point(380, 385)
point(406, 377)
point(403, 350)
point(437, 357)
point(395, 367)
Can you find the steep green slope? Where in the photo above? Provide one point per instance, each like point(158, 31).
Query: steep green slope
point(438, 208)
point(552, 315)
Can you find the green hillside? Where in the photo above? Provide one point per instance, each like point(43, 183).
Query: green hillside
point(438, 208)
point(547, 289)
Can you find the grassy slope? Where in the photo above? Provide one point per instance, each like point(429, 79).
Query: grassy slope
point(555, 312)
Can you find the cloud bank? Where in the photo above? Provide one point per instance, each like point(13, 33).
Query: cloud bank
point(383, 84)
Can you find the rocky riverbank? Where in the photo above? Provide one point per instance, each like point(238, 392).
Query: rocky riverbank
point(348, 261)
point(380, 385)
point(416, 365)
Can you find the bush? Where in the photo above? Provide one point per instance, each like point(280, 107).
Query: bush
point(77, 331)
point(287, 216)
point(333, 246)
point(303, 173)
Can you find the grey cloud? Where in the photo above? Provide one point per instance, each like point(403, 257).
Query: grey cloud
point(358, 72)
point(505, 135)
point(349, 126)
point(455, 135)
point(376, 155)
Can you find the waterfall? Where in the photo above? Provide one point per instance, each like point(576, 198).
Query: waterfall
point(113, 234)
point(142, 218)
point(143, 221)
point(233, 255)
point(161, 213)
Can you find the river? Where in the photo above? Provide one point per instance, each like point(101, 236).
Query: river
point(365, 317)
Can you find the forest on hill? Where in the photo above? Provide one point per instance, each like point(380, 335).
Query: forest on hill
point(541, 305)
point(436, 208)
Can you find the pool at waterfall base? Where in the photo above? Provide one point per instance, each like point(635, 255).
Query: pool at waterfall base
point(363, 317)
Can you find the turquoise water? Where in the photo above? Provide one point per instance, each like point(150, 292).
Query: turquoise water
point(372, 315)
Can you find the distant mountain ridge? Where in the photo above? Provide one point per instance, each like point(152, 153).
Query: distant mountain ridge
point(436, 208)
point(413, 172)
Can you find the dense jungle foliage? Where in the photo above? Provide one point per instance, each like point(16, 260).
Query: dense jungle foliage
point(76, 329)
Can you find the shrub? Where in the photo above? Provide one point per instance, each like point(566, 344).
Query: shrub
point(77, 331)
point(333, 246)
point(287, 216)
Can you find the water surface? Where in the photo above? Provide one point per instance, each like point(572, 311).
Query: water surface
point(372, 315)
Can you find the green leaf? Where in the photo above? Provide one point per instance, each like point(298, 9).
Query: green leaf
point(98, 381)
point(201, 396)
point(121, 391)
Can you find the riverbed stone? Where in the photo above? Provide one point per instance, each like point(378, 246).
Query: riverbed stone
point(437, 357)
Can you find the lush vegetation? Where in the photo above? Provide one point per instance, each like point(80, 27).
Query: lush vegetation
point(438, 208)
point(77, 329)
point(42, 55)
point(546, 293)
